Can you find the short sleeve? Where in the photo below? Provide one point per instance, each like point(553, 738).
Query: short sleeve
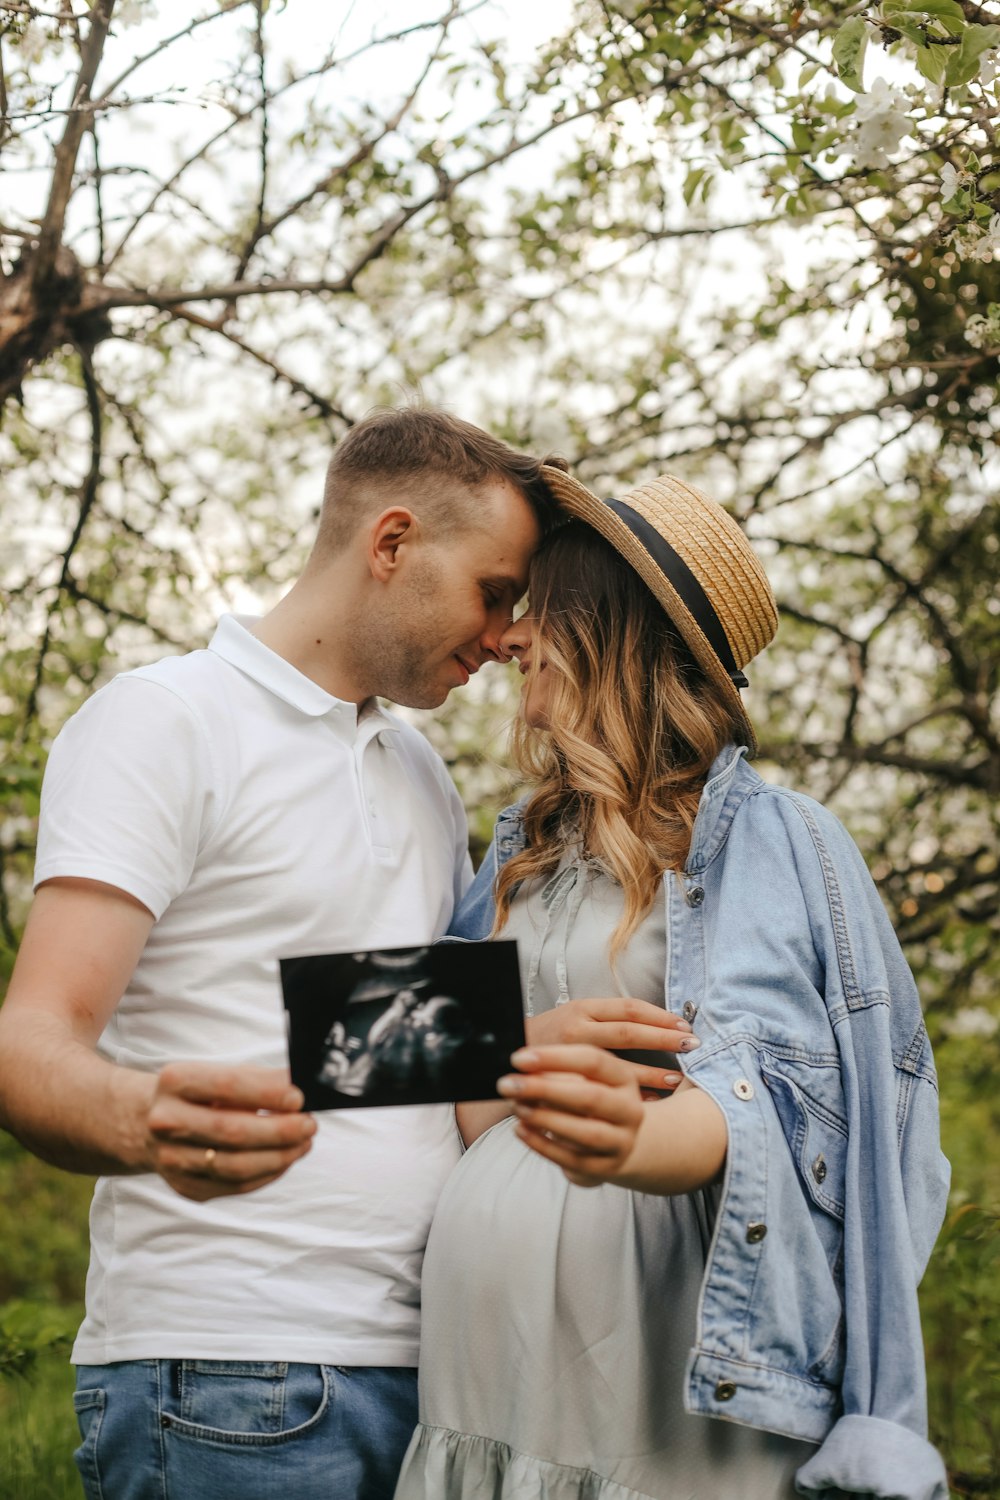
point(127, 796)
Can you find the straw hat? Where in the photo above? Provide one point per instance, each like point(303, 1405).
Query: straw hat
point(698, 564)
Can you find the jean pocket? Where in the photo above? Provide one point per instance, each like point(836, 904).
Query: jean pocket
point(89, 1408)
point(247, 1402)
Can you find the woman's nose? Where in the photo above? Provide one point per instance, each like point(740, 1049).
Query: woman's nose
point(517, 637)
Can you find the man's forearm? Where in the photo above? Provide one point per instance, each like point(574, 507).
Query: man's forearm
point(68, 1105)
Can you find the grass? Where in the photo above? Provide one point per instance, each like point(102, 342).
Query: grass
point(38, 1432)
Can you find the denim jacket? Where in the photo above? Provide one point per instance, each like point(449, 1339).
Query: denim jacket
point(780, 953)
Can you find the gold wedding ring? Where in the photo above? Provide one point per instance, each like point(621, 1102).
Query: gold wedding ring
point(209, 1159)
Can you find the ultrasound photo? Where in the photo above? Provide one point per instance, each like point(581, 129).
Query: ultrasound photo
point(393, 1026)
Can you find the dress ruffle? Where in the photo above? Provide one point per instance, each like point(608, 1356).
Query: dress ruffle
point(465, 1467)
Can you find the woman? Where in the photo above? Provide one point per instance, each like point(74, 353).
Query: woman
point(707, 1293)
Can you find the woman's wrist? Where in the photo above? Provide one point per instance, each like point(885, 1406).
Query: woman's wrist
point(680, 1146)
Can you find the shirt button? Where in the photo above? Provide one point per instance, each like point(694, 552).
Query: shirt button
point(743, 1088)
point(689, 1010)
point(755, 1233)
point(819, 1168)
point(695, 895)
point(725, 1390)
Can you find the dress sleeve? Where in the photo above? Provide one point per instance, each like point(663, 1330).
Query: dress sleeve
point(127, 795)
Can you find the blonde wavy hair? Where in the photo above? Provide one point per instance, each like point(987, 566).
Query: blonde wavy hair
point(633, 725)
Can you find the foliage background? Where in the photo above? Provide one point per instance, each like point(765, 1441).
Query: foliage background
point(758, 245)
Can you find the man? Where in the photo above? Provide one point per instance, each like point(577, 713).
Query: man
point(201, 818)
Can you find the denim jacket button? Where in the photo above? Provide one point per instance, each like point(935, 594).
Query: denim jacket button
point(755, 1233)
point(725, 1390)
point(695, 895)
point(689, 1010)
point(819, 1169)
point(743, 1088)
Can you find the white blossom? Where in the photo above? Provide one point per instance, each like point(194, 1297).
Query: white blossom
point(988, 244)
point(982, 331)
point(131, 12)
point(883, 122)
point(880, 100)
point(34, 43)
point(952, 179)
point(988, 67)
point(877, 137)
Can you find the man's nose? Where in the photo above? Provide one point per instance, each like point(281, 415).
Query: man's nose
point(491, 642)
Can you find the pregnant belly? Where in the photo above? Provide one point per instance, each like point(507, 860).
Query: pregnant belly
point(540, 1299)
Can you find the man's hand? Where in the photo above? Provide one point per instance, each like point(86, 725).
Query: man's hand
point(208, 1129)
point(616, 1025)
point(214, 1131)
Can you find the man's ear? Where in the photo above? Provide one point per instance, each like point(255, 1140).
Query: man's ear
point(394, 531)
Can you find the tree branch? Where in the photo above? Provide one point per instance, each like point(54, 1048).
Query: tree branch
point(80, 117)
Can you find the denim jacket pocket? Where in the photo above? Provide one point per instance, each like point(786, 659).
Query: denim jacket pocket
point(816, 1137)
point(817, 1145)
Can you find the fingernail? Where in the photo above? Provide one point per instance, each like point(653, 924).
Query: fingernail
point(509, 1085)
point(672, 1079)
point(523, 1057)
point(690, 1043)
point(293, 1099)
point(682, 1025)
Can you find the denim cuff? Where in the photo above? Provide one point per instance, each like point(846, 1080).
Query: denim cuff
point(870, 1456)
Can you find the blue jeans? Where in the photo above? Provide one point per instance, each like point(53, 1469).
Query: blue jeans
point(192, 1429)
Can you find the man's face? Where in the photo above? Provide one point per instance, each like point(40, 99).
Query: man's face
point(445, 615)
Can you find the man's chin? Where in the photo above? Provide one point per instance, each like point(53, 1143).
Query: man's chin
point(414, 696)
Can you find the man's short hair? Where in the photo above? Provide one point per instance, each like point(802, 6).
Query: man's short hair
point(427, 456)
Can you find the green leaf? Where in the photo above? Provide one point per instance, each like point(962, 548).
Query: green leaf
point(963, 65)
point(731, 134)
point(933, 63)
point(801, 136)
point(849, 47)
point(939, 10)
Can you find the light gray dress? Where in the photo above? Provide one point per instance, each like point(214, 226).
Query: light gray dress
point(557, 1319)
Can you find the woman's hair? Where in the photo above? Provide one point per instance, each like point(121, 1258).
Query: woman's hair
point(633, 725)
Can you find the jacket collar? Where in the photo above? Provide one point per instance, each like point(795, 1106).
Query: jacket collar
point(730, 781)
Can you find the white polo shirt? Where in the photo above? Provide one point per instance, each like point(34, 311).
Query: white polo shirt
point(256, 817)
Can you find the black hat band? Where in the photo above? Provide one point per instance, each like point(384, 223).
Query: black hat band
point(689, 590)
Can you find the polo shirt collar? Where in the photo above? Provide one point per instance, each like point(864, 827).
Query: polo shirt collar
point(235, 643)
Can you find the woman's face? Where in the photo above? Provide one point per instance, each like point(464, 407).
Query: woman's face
point(521, 640)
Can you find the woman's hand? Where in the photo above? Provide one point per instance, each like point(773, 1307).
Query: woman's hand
point(616, 1024)
point(579, 1106)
